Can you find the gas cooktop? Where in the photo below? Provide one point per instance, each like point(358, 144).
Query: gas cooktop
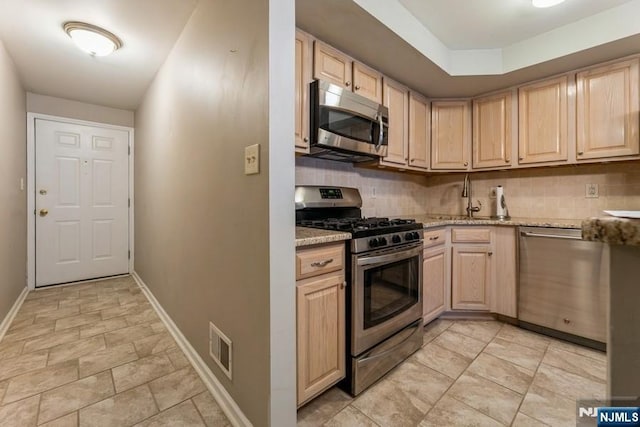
point(363, 227)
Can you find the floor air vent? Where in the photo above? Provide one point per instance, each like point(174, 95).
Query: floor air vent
point(220, 349)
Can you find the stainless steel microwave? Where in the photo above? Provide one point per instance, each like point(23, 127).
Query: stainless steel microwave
point(346, 126)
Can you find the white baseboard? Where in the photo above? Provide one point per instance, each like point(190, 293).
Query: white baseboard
point(4, 326)
point(220, 394)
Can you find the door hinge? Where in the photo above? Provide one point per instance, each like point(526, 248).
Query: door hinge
point(129, 202)
point(129, 150)
point(129, 255)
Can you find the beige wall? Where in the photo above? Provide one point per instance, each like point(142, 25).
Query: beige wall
point(13, 201)
point(78, 110)
point(396, 193)
point(202, 226)
point(554, 192)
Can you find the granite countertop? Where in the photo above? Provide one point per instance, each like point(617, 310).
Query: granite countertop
point(313, 236)
point(430, 221)
point(612, 230)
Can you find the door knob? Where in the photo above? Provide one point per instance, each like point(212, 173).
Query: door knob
point(44, 212)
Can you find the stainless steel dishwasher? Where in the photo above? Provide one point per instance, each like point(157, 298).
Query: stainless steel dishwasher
point(564, 284)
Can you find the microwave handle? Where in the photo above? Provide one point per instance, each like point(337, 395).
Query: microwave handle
point(381, 134)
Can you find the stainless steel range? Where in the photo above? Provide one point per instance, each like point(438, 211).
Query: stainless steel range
point(384, 272)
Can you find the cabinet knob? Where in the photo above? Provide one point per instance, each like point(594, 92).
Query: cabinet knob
point(347, 84)
point(580, 153)
point(507, 160)
point(566, 321)
point(343, 285)
point(305, 139)
point(520, 158)
point(489, 253)
point(466, 163)
point(357, 87)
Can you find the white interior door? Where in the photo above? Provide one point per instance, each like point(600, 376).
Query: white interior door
point(82, 202)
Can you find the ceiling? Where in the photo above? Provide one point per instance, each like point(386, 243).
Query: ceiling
point(481, 50)
point(442, 48)
point(49, 63)
point(489, 24)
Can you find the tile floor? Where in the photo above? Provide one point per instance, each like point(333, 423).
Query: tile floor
point(472, 373)
point(96, 354)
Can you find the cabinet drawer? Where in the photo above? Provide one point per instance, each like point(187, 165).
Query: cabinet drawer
point(319, 260)
point(435, 238)
point(471, 235)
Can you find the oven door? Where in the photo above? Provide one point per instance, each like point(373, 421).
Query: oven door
point(386, 294)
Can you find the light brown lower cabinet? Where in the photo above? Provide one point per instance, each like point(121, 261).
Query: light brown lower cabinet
point(504, 298)
point(320, 306)
point(435, 282)
point(471, 277)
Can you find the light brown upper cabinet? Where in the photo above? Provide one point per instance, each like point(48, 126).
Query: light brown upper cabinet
point(302, 79)
point(607, 111)
point(542, 121)
point(331, 65)
point(450, 135)
point(338, 68)
point(367, 82)
point(492, 130)
point(419, 131)
point(396, 98)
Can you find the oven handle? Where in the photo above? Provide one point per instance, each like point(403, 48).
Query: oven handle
point(396, 255)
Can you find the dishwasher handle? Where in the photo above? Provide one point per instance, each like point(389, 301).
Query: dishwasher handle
point(549, 236)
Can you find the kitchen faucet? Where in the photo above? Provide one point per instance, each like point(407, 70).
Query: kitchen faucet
point(466, 192)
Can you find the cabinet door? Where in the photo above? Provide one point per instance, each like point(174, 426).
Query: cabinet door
point(320, 334)
point(419, 131)
point(434, 283)
point(396, 98)
point(542, 119)
point(503, 300)
point(302, 79)
point(492, 131)
point(367, 82)
point(331, 65)
point(471, 277)
point(450, 135)
point(607, 111)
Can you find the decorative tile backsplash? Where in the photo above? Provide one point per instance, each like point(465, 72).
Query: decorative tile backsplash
point(551, 192)
point(384, 193)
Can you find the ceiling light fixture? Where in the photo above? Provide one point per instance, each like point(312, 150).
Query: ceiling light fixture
point(94, 40)
point(545, 3)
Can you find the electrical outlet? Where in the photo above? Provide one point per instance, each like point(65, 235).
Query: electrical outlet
point(252, 159)
point(492, 193)
point(591, 191)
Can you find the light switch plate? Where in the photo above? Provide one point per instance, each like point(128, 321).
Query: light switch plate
point(591, 191)
point(252, 159)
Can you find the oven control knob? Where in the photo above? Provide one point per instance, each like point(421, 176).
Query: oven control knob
point(373, 243)
point(409, 236)
point(396, 239)
point(382, 241)
point(416, 235)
